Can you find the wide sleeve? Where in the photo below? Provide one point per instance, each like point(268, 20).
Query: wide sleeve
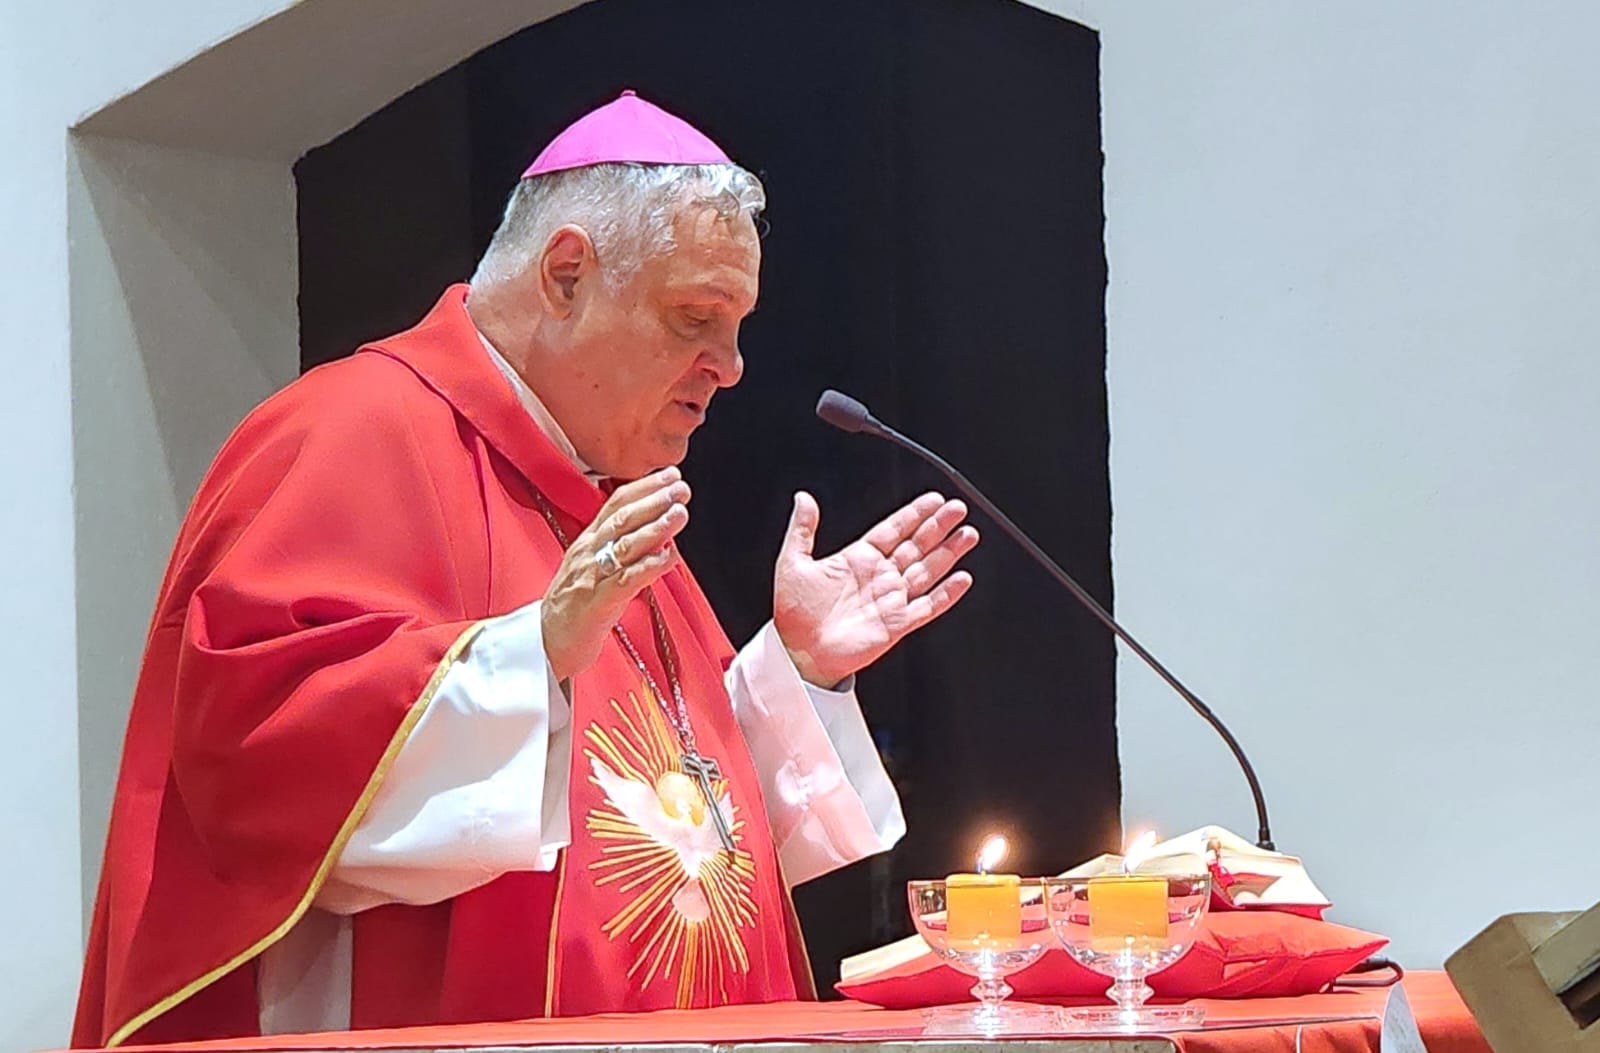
point(829, 800)
point(327, 585)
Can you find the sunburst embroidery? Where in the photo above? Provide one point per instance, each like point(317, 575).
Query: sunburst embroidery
point(688, 901)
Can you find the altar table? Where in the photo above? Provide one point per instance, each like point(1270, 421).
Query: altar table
point(1368, 1020)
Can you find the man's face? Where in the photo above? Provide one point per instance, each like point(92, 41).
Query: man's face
point(645, 360)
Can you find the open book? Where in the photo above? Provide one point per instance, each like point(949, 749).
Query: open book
point(1245, 876)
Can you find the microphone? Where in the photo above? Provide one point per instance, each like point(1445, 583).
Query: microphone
point(847, 414)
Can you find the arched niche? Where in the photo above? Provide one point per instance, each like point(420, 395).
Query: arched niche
point(185, 290)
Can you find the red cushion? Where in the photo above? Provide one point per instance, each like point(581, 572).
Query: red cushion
point(1236, 954)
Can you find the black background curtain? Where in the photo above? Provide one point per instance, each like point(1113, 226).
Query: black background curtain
point(934, 174)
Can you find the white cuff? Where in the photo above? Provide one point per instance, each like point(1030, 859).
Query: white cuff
point(829, 800)
point(480, 786)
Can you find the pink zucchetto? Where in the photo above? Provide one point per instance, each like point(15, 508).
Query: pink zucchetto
point(627, 129)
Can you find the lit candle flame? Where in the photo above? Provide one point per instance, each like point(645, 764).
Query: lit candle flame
point(1138, 851)
point(992, 852)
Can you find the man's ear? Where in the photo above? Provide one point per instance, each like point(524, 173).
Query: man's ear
point(568, 259)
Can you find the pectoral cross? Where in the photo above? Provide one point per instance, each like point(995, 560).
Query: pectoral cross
point(702, 770)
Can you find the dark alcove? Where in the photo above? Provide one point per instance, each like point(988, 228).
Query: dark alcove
point(934, 173)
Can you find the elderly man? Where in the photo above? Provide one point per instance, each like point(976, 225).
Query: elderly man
point(434, 724)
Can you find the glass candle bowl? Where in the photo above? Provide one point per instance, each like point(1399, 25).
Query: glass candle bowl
point(1127, 926)
point(988, 927)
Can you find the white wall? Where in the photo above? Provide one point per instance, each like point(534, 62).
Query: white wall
point(1355, 413)
point(38, 754)
point(56, 63)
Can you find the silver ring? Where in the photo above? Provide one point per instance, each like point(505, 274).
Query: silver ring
point(607, 559)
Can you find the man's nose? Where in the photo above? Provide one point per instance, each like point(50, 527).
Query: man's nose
point(726, 365)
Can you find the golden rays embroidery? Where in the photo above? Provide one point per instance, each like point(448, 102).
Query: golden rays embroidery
point(685, 900)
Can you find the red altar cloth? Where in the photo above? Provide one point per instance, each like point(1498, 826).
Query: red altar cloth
point(1345, 1021)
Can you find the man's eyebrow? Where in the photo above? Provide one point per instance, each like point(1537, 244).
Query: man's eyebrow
point(717, 292)
point(707, 289)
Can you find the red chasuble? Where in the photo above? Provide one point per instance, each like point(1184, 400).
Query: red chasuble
point(347, 544)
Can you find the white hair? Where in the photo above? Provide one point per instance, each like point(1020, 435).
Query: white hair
point(626, 209)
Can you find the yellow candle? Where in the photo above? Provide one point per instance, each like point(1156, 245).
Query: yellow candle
point(983, 911)
point(1124, 907)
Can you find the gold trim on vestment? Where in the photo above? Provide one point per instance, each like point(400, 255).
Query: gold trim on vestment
point(555, 920)
point(340, 839)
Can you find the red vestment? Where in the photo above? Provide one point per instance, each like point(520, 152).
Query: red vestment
point(349, 539)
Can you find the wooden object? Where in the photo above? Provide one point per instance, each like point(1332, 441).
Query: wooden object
point(1532, 982)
